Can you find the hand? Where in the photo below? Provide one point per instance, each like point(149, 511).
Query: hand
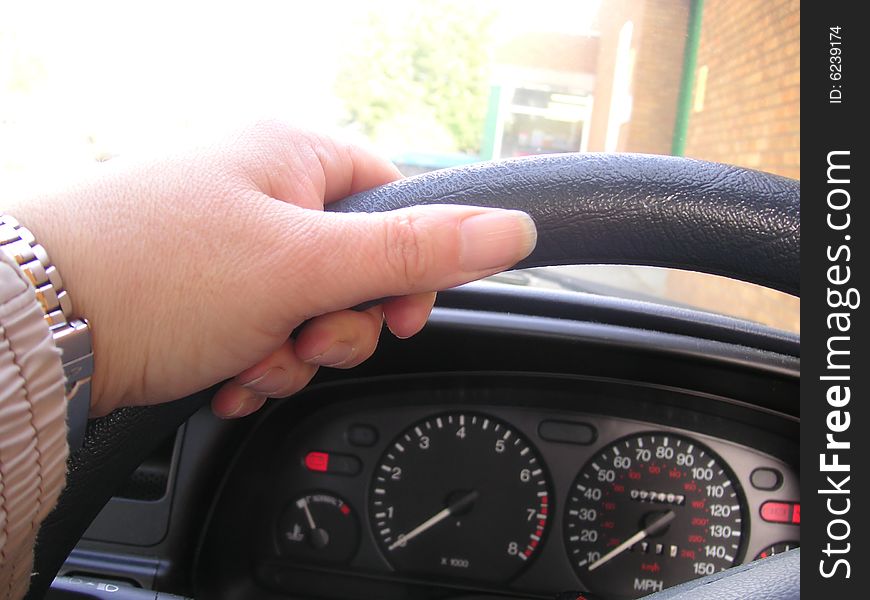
point(196, 270)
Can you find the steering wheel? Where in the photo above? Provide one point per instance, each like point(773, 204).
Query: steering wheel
point(589, 209)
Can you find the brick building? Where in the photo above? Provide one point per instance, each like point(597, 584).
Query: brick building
point(749, 113)
point(711, 79)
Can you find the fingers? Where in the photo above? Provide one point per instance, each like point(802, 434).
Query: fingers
point(233, 401)
point(351, 168)
point(341, 339)
point(279, 375)
point(352, 258)
point(306, 168)
point(406, 316)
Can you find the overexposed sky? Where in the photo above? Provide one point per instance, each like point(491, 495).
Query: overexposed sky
point(92, 78)
point(122, 77)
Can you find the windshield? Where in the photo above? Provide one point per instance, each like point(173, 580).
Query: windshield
point(432, 84)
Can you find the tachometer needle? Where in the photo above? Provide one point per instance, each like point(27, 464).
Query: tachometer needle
point(643, 533)
point(434, 520)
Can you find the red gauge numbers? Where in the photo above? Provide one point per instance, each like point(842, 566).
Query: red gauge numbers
point(651, 511)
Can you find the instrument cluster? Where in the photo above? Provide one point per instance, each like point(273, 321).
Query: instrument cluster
point(471, 494)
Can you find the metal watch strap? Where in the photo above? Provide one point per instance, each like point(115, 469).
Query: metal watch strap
point(72, 336)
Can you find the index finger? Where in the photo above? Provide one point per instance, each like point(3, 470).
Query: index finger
point(310, 169)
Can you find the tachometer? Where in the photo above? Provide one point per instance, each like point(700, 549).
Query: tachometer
point(460, 494)
point(651, 511)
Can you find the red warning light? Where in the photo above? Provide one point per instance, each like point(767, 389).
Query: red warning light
point(317, 461)
point(345, 509)
point(781, 512)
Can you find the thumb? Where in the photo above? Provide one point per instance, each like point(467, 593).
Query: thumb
point(366, 256)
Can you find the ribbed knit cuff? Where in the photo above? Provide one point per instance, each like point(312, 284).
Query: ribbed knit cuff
point(33, 445)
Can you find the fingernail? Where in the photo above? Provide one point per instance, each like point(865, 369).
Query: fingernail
point(232, 413)
point(496, 239)
point(336, 354)
point(270, 382)
point(401, 337)
point(239, 409)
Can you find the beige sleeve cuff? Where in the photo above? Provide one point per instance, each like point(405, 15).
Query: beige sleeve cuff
point(33, 446)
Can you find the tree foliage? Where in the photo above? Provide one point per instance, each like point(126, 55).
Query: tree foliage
point(422, 58)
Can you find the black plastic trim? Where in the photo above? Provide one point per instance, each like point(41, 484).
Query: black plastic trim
point(647, 340)
point(492, 328)
point(495, 297)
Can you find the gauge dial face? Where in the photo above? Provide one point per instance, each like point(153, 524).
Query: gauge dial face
point(777, 548)
point(318, 527)
point(650, 511)
point(461, 495)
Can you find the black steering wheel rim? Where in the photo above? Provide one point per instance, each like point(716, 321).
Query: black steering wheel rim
point(634, 209)
point(593, 208)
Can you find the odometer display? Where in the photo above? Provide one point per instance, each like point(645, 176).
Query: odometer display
point(463, 495)
point(651, 511)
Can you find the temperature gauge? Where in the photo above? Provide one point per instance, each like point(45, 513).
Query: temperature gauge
point(318, 527)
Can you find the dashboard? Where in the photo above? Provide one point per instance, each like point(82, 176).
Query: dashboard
point(523, 399)
point(505, 485)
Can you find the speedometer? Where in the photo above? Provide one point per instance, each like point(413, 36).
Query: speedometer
point(463, 495)
point(651, 511)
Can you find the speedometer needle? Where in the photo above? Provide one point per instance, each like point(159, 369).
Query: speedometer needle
point(464, 501)
point(643, 533)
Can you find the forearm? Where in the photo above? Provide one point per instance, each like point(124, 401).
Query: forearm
point(33, 445)
point(194, 272)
